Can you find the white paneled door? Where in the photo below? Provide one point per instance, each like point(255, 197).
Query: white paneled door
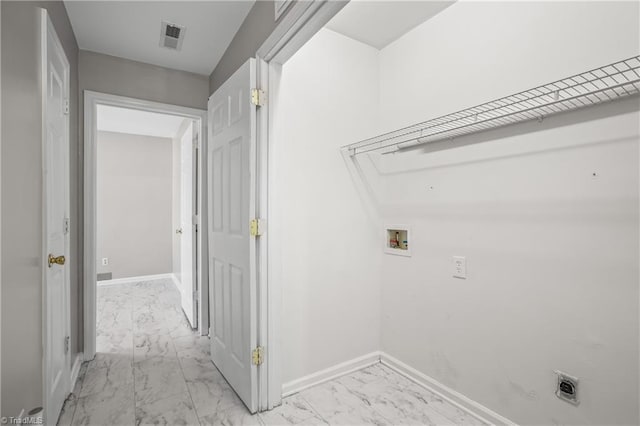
point(55, 85)
point(187, 228)
point(232, 249)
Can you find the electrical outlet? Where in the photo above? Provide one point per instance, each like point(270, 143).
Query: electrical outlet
point(460, 267)
point(105, 261)
point(567, 388)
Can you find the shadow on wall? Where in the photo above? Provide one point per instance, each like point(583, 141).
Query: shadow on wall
point(367, 170)
point(602, 111)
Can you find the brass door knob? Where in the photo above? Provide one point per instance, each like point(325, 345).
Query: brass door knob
point(59, 260)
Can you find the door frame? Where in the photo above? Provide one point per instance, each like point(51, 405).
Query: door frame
point(300, 23)
point(48, 33)
point(91, 101)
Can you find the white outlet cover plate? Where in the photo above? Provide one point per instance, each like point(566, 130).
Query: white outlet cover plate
point(460, 267)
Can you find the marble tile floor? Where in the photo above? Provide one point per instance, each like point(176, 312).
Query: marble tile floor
point(152, 369)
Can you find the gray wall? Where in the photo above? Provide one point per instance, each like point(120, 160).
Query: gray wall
point(117, 76)
point(255, 29)
point(134, 197)
point(22, 199)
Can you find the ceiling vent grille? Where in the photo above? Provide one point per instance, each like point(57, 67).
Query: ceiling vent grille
point(171, 35)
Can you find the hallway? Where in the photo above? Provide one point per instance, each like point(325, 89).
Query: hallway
point(151, 368)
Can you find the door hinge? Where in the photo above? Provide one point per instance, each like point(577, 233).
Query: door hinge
point(66, 106)
point(258, 97)
point(257, 356)
point(255, 227)
point(65, 226)
point(66, 344)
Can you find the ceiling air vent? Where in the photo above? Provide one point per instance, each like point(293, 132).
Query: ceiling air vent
point(171, 35)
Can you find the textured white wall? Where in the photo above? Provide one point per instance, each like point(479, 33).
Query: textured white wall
point(134, 211)
point(552, 251)
point(331, 287)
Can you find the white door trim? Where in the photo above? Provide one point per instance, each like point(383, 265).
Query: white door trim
point(91, 101)
point(301, 22)
point(48, 33)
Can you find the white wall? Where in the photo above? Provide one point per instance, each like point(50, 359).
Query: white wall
point(552, 251)
point(134, 204)
point(457, 60)
point(331, 288)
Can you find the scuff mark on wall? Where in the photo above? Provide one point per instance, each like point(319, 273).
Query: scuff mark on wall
point(444, 368)
point(520, 391)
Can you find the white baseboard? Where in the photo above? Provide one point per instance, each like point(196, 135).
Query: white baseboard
point(446, 393)
point(330, 373)
point(75, 370)
point(132, 280)
point(454, 397)
point(176, 282)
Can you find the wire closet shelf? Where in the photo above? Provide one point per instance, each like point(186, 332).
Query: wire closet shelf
point(604, 84)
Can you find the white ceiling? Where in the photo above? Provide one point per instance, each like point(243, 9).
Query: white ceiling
point(378, 23)
point(135, 122)
point(131, 29)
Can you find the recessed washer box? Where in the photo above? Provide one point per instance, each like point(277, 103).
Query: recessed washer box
point(396, 240)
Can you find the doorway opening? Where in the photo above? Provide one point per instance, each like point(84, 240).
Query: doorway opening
point(145, 178)
point(144, 247)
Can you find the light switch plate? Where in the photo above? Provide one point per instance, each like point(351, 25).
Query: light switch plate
point(460, 267)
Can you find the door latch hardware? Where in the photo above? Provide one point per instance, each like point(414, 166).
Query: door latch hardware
point(59, 260)
point(66, 344)
point(257, 356)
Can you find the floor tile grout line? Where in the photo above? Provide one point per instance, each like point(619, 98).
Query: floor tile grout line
point(260, 419)
point(133, 372)
point(370, 406)
point(407, 383)
point(186, 383)
point(404, 386)
point(314, 409)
